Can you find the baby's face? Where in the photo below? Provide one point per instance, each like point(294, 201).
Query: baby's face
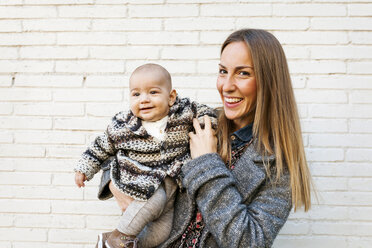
point(150, 96)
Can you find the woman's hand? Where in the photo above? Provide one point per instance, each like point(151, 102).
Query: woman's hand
point(203, 141)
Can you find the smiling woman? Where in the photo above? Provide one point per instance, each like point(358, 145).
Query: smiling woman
point(241, 186)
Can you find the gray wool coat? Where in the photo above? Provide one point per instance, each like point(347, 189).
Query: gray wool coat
point(240, 208)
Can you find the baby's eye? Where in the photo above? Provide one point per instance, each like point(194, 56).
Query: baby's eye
point(153, 92)
point(135, 94)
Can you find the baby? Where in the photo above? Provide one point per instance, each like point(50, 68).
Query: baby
point(150, 144)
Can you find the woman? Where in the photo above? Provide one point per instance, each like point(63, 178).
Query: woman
point(239, 193)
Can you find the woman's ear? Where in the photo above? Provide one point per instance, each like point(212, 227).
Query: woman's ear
point(172, 97)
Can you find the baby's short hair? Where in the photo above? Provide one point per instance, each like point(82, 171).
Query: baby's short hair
point(155, 68)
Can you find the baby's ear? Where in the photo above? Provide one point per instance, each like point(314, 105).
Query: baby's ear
point(172, 97)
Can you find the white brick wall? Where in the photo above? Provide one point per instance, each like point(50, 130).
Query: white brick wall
point(64, 68)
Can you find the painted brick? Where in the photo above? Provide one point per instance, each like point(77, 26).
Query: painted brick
point(200, 82)
point(187, 52)
point(274, 23)
point(56, 25)
point(105, 109)
point(52, 2)
point(47, 245)
point(25, 95)
point(346, 198)
point(324, 154)
point(25, 178)
point(108, 222)
point(8, 52)
point(360, 37)
point(128, 52)
point(6, 137)
point(26, 66)
point(296, 52)
point(163, 38)
point(340, 111)
point(23, 234)
point(11, 2)
point(317, 67)
point(360, 213)
point(6, 220)
point(341, 169)
point(359, 67)
point(126, 25)
point(309, 10)
point(310, 242)
point(359, 9)
point(48, 81)
point(208, 66)
point(38, 164)
point(24, 206)
point(339, 82)
point(362, 155)
point(338, 140)
point(205, 23)
point(107, 81)
point(88, 95)
point(341, 52)
point(27, 151)
point(361, 96)
point(49, 137)
point(169, 10)
point(45, 192)
point(91, 38)
point(331, 184)
point(25, 123)
point(324, 126)
point(360, 184)
point(45, 221)
point(85, 207)
point(5, 81)
point(63, 151)
point(173, 66)
point(91, 11)
point(6, 108)
point(10, 26)
point(208, 96)
point(236, 10)
point(311, 38)
point(361, 126)
point(320, 96)
point(17, 39)
point(295, 228)
point(213, 37)
point(80, 123)
point(145, 1)
point(53, 52)
point(27, 12)
point(49, 109)
point(89, 66)
point(352, 24)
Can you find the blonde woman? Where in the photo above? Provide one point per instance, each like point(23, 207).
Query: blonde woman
point(241, 186)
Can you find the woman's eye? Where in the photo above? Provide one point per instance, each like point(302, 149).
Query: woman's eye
point(244, 73)
point(222, 71)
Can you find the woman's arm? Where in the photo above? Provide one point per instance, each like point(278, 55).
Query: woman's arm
point(236, 221)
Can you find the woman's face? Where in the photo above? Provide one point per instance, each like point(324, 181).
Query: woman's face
point(236, 84)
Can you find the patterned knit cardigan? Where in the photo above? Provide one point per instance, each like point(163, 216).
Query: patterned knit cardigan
point(142, 161)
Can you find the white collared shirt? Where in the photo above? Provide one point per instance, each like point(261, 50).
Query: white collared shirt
point(156, 128)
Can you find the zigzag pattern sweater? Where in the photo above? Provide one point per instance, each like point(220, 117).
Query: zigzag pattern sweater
point(142, 162)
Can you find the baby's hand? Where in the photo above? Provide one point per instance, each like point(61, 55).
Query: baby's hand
point(79, 179)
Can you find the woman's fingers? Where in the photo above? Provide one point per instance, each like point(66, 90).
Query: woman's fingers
point(196, 125)
point(207, 122)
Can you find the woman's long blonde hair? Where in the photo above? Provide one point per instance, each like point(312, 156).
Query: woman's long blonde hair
point(276, 122)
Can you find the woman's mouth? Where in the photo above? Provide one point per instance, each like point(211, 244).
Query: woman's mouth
point(232, 101)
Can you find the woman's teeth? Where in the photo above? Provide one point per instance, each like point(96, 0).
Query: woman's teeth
point(233, 100)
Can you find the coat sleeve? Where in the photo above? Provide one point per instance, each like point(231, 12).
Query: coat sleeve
point(100, 150)
point(234, 219)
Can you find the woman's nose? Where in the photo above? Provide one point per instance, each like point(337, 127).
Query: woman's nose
point(229, 84)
